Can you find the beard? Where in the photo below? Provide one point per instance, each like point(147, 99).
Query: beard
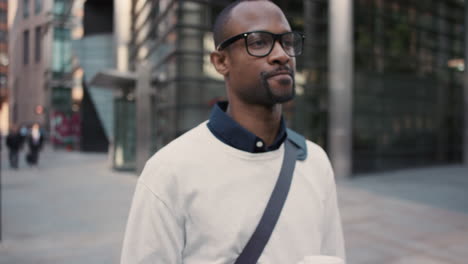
point(280, 95)
point(266, 95)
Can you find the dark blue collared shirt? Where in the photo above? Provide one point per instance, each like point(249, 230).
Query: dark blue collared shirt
point(233, 134)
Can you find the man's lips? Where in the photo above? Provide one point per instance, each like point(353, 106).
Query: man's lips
point(282, 73)
point(285, 72)
point(282, 77)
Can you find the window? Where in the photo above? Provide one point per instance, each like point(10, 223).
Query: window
point(60, 6)
point(37, 6)
point(3, 36)
point(3, 16)
point(61, 60)
point(3, 59)
point(25, 8)
point(3, 80)
point(26, 47)
point(37, 44)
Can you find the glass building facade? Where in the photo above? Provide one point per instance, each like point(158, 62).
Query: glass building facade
point(407, 97)
point(175, 37)
point(407, 88)
point(64, 119)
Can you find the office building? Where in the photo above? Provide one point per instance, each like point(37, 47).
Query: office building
point(380, 86)
point(41, 69)
point(4, 61)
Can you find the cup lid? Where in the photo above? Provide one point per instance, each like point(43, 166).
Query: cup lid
point(322, 259)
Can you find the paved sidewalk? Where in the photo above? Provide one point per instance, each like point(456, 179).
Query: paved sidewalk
point(73, 209)
point(415, 216)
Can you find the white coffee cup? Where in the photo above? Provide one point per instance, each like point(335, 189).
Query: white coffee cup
point(321, 260)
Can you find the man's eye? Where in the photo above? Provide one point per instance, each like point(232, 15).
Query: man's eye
point(257, 43)
point(288, 43)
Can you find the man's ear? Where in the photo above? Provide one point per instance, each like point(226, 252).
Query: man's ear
point(220, 62)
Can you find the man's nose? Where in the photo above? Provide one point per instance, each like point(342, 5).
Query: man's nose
point(278, 55)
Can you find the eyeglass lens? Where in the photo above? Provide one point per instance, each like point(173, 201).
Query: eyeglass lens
point(261, 43)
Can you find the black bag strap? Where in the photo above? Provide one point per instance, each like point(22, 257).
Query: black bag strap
point(254, 247)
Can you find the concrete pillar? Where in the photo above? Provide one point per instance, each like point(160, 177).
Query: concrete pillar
point(340, 86)
point(143, 115)
point(122, 18)
point(190, 66)
point(465, 94)
point(122, 33)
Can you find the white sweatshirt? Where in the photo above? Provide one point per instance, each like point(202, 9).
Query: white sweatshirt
point(199, 200)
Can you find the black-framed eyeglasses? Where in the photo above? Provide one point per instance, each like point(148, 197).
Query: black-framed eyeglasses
point(261, 43)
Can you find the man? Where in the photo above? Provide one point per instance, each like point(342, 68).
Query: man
point(14, 142)
point(35, 141)
point(200, 198)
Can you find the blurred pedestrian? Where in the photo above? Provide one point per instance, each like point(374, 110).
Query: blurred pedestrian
point(215, 194)
point(35, 141)
point(14, 142)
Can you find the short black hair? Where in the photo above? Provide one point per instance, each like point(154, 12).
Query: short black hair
point(223, 18)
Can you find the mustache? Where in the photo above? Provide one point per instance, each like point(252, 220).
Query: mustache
point(277, 71)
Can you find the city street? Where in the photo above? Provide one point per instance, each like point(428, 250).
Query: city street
point(73, 210)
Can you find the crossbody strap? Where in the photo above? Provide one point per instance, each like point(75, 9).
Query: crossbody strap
point(254, 247)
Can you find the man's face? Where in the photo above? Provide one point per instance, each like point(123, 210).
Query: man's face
point(259, 80)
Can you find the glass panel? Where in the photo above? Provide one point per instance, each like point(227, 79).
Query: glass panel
point(61, 60)
point(61, 99)
point(37, 44)
point(3, 36)
point(26, 47)
point(125, 141)
point(60, 7)
point(3, 16)
point(37, 6)
point(25, 8)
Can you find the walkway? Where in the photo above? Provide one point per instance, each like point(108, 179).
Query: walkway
point(73, 210)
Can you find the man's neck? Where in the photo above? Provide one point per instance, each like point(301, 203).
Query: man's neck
point(262, 121)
